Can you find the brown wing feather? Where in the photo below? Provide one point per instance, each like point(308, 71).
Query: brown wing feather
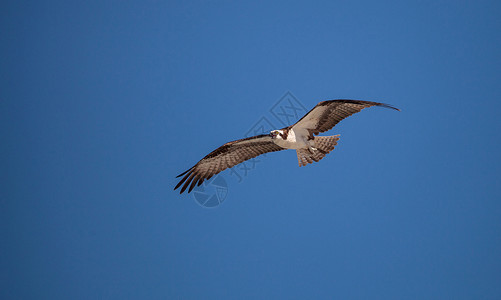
point(226, 156)
point(326, 114)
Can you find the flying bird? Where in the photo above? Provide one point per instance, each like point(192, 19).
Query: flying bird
point(301, 137)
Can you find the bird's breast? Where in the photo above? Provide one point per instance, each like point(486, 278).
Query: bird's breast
point(294, 140)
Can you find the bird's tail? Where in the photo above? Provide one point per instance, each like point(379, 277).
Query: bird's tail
point(322, 146)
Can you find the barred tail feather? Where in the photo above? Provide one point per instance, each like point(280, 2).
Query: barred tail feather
point(323, 145)
point(326, 143)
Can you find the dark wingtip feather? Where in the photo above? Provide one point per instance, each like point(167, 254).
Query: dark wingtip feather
point(388, 106)
point(193, 183)
point(187, 183)
point(184, 172)
point(182, 180)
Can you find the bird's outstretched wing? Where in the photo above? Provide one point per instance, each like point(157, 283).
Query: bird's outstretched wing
point(226, 156)
point(326, 114)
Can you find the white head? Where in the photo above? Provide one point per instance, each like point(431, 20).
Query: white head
point(276, 134)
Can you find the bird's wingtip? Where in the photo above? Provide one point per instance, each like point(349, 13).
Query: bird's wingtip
point(184, 172)
point(389, 106)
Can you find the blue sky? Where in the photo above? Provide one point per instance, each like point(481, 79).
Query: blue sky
point(103, 103)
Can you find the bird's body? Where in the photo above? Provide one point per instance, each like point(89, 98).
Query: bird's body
point(300, 137)
point(294, 139)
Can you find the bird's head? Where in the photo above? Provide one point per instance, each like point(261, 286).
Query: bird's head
point(275, 134)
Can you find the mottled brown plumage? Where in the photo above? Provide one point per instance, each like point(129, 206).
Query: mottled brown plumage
point(324, 116)
point(226, 156)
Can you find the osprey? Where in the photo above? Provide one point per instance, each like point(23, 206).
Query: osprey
point(300, 136)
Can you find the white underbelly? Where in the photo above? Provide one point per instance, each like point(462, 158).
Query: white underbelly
point(290, 144)
point(294, 140)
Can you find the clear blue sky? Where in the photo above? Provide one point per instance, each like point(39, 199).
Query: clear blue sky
point(102, 103)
